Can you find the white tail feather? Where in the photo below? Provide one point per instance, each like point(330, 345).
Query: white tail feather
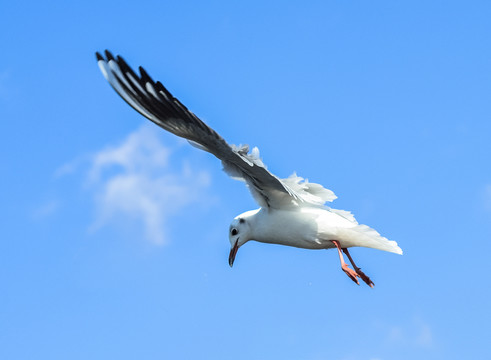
point(372, 239)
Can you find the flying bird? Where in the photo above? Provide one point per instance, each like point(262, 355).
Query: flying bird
point(292, 211)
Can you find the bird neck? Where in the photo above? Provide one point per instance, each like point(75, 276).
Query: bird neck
point(259, 225)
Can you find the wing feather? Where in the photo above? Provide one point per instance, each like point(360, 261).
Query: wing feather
point(153, 101)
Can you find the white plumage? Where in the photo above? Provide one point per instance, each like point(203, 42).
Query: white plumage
point(293, 210)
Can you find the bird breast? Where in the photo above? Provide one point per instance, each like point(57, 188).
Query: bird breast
point(292, 228)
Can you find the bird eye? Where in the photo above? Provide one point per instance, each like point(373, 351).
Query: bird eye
point(234, 232)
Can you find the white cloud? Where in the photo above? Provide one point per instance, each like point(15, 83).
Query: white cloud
point(68, 168)
point(417, 333)
point(134, 180)
point(396, 333)
point(424, 336)
point(46, 209)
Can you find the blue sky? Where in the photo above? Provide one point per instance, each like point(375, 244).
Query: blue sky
point(114, 233)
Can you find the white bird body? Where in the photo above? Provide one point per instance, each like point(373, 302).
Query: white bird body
point(311, 228)
point(292, 210)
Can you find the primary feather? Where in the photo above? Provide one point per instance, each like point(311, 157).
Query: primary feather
point(156, 103)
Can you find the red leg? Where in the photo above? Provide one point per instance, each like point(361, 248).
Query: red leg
point(345, 267)
point(360, 273)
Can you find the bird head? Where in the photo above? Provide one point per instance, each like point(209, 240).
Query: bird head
point(239, 233)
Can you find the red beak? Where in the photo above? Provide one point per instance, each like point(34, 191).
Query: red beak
point(233, 252)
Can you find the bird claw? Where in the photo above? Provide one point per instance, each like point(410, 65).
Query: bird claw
point(351, 273)
point(365, 278)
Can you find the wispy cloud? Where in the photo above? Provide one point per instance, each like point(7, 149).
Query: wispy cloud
point(46, 209)
point(416, 333)
point(134, 180)
point(424, 336)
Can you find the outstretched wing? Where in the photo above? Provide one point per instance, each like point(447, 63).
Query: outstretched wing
point(156, 103)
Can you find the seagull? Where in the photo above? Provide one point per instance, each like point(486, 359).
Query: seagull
point(292, 211)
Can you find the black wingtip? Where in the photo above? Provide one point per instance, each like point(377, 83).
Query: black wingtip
point(144, 76)
point(99, 56)
point(120, 60)
point(109, 56)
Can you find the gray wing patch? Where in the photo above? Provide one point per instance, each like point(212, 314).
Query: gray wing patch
point(152, 100)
